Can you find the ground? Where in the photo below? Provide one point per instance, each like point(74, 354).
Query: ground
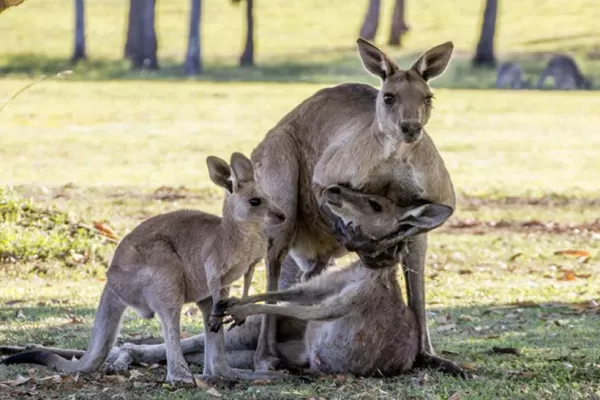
point(86, 157)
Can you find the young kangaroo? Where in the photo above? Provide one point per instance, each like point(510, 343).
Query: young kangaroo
point(358, 322)
point(510, 74)
point(325, 140)
point(176, 258)
point(566, 74)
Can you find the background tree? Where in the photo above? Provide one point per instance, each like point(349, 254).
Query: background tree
point(369, 27)
point(484, 53)
point(247, 57)
point(141, 45)
point(193, 61)
point(79, 44)
point(399, 26)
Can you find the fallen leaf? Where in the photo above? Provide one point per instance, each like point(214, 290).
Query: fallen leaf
point(465, 272)
point(468, 367)
point(19, 314)
point(561, 322)
point(523, 374)
point(214, 392)
point(341, 378)
point(577, 253)
point(200, 382)
point(455, 396)
point(16, 382)
point(53, 378)
point(134, 373)
point(260, 382)
point(74, 319)
point(317, 360)
point(506, 350)
point(583, 276)
point(105, 230)
point(568, 275)
point(515, 256)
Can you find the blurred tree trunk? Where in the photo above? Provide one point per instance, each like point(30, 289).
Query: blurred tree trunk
point(4, 4)
point(193, 61)
point(247, 57)
point(484, 54)
point(371, 22)
point(79, 46)
point(142, 45)
point(399, 26)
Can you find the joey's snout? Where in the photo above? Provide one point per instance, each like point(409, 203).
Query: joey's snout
point(411, 130)
point(275, 216)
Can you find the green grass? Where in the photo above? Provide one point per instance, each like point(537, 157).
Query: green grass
point(117, 147)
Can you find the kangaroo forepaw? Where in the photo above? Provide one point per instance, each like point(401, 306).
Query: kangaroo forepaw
point(425, 360)
point(219, 309)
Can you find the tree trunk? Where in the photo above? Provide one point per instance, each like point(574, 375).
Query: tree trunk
point(484, 54)
point(79, 47)
point(247, 57)
point(141, 45)
point(371, 22)
point(134, 30)
point(399, 26)
point(193, 61)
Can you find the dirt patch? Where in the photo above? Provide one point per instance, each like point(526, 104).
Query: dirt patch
point(475, 227)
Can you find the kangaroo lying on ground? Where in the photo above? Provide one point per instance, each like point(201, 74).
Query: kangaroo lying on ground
point(176, 258)
point(295, 161)
point(510, 74)
point(359, 323)
point(566, 74)
point(351, 320)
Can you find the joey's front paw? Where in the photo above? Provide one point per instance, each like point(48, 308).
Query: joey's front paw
point(223, 305)
point(215, 322)
point(237, 314)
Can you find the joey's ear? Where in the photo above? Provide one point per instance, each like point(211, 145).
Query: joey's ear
point(374, 60)
point(219, 172)
point(242, 168)
point(434, 61)
point(424, 218)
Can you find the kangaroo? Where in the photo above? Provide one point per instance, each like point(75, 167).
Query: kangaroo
point(351, 320)
point(176, 258)
point(510, 74)
point(358, 322)
point(295, 161)
point(566, 74)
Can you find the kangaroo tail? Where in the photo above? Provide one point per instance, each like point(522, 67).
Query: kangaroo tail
point(104, 335)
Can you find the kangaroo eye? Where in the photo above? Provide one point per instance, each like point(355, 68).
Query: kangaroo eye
point(375, 206)
point(255, 201)
point(389, 98)
point(428, 100)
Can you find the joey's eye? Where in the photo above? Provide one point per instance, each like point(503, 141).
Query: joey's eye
point(389, 98)
point(375, 206)
point(428, 100)
point(255, 201)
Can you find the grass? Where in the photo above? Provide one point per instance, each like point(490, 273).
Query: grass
point(113, 147)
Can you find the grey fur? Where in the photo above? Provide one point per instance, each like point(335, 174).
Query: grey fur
point(565, 73)
point(310, 148)
point(510, 75)
point(176, 258)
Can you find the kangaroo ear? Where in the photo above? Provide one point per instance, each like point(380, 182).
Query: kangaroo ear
point(375, 61)
point(242, 168)
point(220, 173)
point(434, 61)
point(424, 218)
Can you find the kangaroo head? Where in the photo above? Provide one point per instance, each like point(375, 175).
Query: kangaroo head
point(403, 105)
point(245, 201)
point(378, 216)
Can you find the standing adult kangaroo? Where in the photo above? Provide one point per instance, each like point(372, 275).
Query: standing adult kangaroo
point(384, 129)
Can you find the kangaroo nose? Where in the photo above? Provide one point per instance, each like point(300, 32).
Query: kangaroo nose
point(411, 127)
point(279, 216)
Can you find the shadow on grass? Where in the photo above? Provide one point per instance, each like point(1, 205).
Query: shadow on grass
point(558, 347)
point(334, 67)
